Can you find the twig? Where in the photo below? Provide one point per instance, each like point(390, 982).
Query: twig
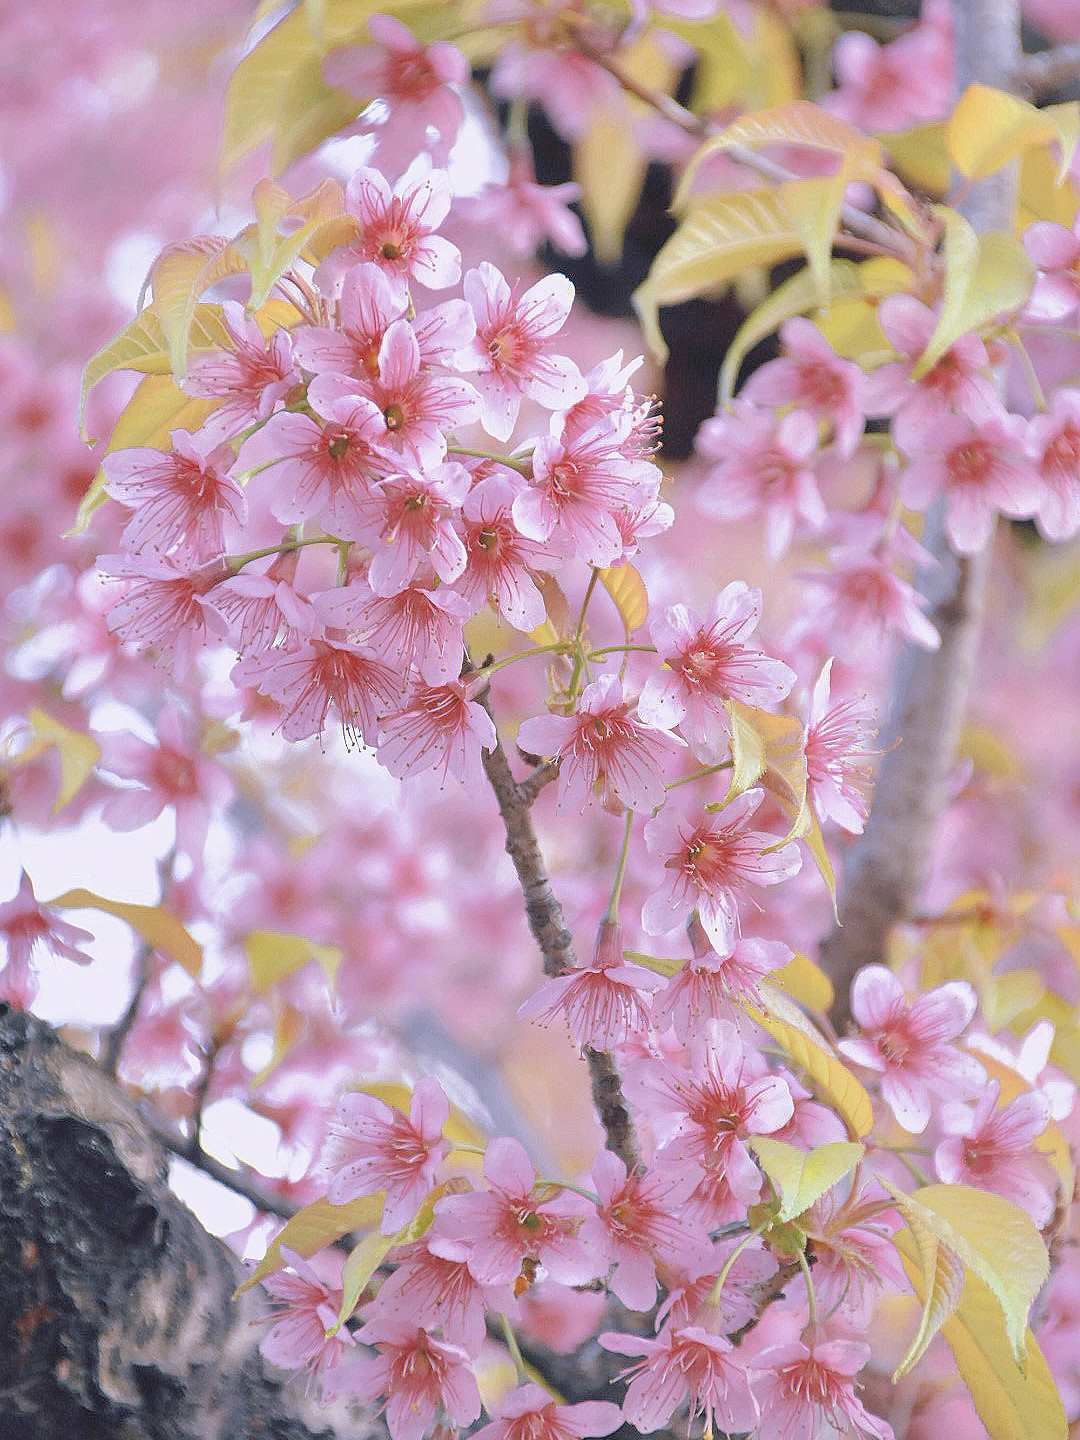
point(556, 944)
point(241, 1182)
point(1048, 70)
point(116, 1036)
point(888, 864)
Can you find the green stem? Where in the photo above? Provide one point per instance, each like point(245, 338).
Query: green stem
point(515, 1351)
point(237, 562)
point(714, 1293)
point(700, 774)
point(811, 1298)
point(621, 649)
point(612, 912)
point(523, 465)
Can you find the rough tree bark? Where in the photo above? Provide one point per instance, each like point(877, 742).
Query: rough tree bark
point(117, 1320)
point(887, 866)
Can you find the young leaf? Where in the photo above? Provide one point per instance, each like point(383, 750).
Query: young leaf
point(273, 957)
point(942, 1286)
point(747, 753)
point(313, 1228)
point(78, 752)
point(268, 252)
point(1013, 1403)
point(364, 1259)
point(799, 1178)
point(828, 1075)
point(158, 927)
point(985, 276)
point(719, 238)
point(627, 589)
point(806, 983)
point(994, 1238)
point(989, 128)
point(180, 275)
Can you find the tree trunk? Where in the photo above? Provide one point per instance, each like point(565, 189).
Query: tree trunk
point(117, 1317)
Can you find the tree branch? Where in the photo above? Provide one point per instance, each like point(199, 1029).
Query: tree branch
point(556, 944)
point(1048, 70)
point(117, 1309)
point(888, 864)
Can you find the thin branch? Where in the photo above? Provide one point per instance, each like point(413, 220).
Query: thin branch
point(556, 944)
point(1049, 70)
point(857, 223)
point(116, 1036)
point(888, 865)
point(242, 1182)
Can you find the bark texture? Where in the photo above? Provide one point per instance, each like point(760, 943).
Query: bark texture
point(117, 1320)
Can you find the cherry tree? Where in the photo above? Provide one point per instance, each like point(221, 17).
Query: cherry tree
point(646, 929)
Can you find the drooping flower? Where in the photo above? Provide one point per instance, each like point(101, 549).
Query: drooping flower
point(409, 518)
point(27, 926)
point(181, 498)
point(437, 727)
point(862, 600)
point(1053, 443)
point(603, 1003)
point(319, 674)
point(812, 377)
point(529, 1413)
point(682, 1364)
point(707, 665)
point(808, 1391)
point(499, 558)
point(838, 755)
point(527, 215)
point(710, 860)
point(995, 1149)
point(439, 1293)
point(511, 354)
point(374, 1147)
point(418, 1374)
point(714, 987)
point(161, 606)
point(604, 744)
point(252, 378)
point(415, 626)
point(909, 1044)
point(304, 1307)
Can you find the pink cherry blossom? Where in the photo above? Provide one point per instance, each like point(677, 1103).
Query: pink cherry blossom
point(318, 471)
point(1053, 443)
point(802, 1389)
point(710, 860)
point(995, 1149)
point(496, 1231)
point(578, 489)
point(838, 755)
point(603, 744)
point(637, 1227)
point(303, 1307)
point(181, 497)
point(529, 1413)
point(957, 384)
point(812, 377)
point(979, 469)
point(416, 626)
point(862, 600)
point(418, 1373)
point(763, 465)
point(437, 727)
point(603, 1003)
point(608, 395)
point(161, 607)
point(259, 611)
point(511, 354)
point(855, 1260)
point(707, 665)
point(254, 377)
point(437, 1292)
point(373, 1147)
point(682, 1364)
point(415, 82)
point(499, 559)
point(909, 1043)
point(397, 228)
point(1055, 295)
point(320, 674)
point(527, 215)
point(367, 307)
point(713, 987)
point(909, 81)
point(27, 926)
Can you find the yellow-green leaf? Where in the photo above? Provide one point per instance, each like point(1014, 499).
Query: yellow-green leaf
point(921, 157)
point(994, 1238)
point(942, 1285)
point(78, 752)
point(827, 1074)
point(157, 926)
point(747, 753)
point(805, 982)
point(985, 276)
point(989, 128)
point(288, 1027)
point(273, 957)
point(718, 239)
point(270, 253)
point(180, 275)
point(364, 1259)
point(1013, 1403)
point(627, 589)
point(314, 1228)
point(668, 965)
point(800, 1178)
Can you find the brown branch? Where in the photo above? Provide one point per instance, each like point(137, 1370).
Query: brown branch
point(1048, 70)
point(116, 1036)
point(888, 864)
point(549, 930)
point(240, 1181)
